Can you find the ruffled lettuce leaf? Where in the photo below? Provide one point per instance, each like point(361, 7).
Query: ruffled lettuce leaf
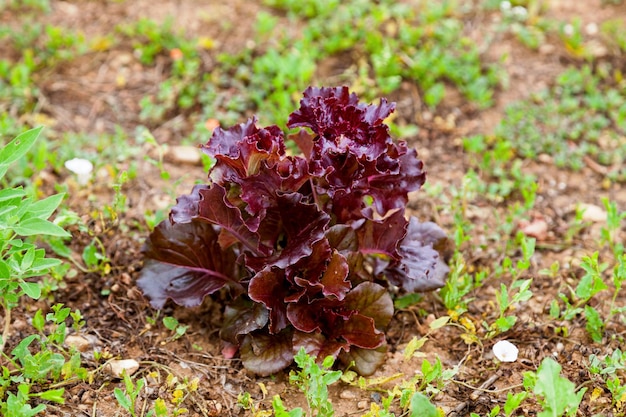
point(307, 243)
point(266, 354)
point(185, 263)
point(420, 267)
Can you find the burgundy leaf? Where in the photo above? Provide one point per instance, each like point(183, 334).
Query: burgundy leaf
point(366, 361)
point(214, 207)
point(317, 315)
point(265, 354)
point(186, 207)
point(240, 318)
point(359, 330)
point(371, 300)
point(184, 262)
point(312, 268)
point(285, 176)
point(381, 237)
point(292, 227)
point(301, 240)
point(270, 287)
point(420, 267)
point(342, 123)
point(304, 141)
point(334, 281)
point(390, 188)
point(342, 238)
point(240, 150)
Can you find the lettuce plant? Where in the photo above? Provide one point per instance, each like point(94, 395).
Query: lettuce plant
point(308, 246)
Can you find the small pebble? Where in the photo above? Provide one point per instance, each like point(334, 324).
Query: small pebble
point(184, 154)
point(116, 367)
point(125, 278)
point(347, 395)
point(79, 342)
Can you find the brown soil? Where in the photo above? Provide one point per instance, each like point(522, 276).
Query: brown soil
point(86, 95)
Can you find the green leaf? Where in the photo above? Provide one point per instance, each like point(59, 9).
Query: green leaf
point(11, 193)
point(19, 403)
point(42, 265)
point(170, 322)
point(280, 411)
point(505, 323)
point(595, 324)
point(43, 209)
point(17, 148)
point(434, 94)
point(21, 350)
point(122, 399)
point(408, 300)
point(558, 393)
point(38, 321)
point(440, 322)
point(31, 289)
point(591, 283)
point(91, 256)
point(54, 395)
point(36, 226)
point(5, 270)
point(414, 345)
point(28, 259)
point(513, 402)
point(422, 407)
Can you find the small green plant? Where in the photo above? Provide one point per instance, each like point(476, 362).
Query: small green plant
point(610, 232)
point(21, 216)
point(508, 296)
point(556, 394)
point(313, 380)
point(127, 398)
point(605, 370)
point(171, 323)
point(581, 116)
point(281, 411)
point(577, 303)
point(40, 360)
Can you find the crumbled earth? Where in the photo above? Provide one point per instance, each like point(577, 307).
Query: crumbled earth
point(98, 91)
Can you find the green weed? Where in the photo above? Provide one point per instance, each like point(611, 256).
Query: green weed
point(580, 117)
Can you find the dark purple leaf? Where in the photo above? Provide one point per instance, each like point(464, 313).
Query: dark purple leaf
point(240, 318)
point(342, 238)
point(334, 281)
point(389, 188)
point(186, 208)
point(285, 176)
point(381, 237)
point(343, 124)
point(359, 330)
point(312, 268)
point(271, 287)
point(215, 208)
point(309, 235)
point(366, 361)
point(184, 262)
point(240, 150)
point(265, 354)
point(420, 267)
point(316, 315)
point(292, 227)
point(371, 300)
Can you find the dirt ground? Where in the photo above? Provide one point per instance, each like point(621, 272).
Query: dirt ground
point(85, 95)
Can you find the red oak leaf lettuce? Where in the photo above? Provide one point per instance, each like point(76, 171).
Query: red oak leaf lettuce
point(307, 245)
